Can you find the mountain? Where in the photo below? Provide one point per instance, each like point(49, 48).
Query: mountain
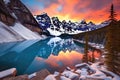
point(43, 20)
point(83, 22)
point(103, 24)
point(23, 15)
point(91, 26)
point(55, 27)
point(7, 34)
point(16, 22)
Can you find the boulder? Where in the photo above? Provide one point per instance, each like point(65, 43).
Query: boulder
point(7, 73)
point(21, 77)
point(41, 75)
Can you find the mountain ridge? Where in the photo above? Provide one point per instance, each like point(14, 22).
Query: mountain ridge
point(54, 25)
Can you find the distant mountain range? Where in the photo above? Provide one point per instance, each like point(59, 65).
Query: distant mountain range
point(56, 27)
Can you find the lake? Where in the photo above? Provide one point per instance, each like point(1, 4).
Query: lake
point(53, 53)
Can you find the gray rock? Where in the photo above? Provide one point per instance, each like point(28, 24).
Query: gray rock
point(41, 75)
point(21, 77)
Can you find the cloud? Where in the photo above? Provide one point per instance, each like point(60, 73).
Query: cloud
point(117, 7)
point(76, 10)
point(59, 9)
point(99, 4)
point(47, 3)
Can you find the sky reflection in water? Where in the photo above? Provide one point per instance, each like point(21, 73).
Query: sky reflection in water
point(30, 56)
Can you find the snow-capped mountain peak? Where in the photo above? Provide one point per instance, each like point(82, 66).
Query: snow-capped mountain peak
point(91, 23)
point(83, 21)
point(56, 27)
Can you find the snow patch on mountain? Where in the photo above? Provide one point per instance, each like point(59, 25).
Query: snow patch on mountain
point(54, 32)
point(13, 15)
point(7, 34)
point(24, 32)
point(6, 1)
point(18, 32)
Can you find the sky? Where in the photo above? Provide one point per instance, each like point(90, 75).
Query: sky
point(74, 10)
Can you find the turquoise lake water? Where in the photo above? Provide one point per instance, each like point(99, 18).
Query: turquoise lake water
point(53, 54)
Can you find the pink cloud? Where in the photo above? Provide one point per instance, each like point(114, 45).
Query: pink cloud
point(76, 10)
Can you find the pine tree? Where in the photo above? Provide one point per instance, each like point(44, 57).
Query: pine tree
point(112, 13)
point(113, 44)
point(109, 48)
point(85, 56)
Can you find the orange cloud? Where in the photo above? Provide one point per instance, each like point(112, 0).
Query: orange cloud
point(76, 10)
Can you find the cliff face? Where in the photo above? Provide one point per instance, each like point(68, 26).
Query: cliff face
point(5, 15)
point(12, 11)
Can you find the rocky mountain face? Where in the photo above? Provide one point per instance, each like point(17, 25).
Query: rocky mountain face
point(17, 23)
point(43, 20)
point(5, 16)
point(12, 11)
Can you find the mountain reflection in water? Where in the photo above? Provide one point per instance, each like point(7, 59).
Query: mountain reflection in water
point(30, 56)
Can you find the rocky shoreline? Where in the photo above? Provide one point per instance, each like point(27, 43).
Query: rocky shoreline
point(83, 71)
